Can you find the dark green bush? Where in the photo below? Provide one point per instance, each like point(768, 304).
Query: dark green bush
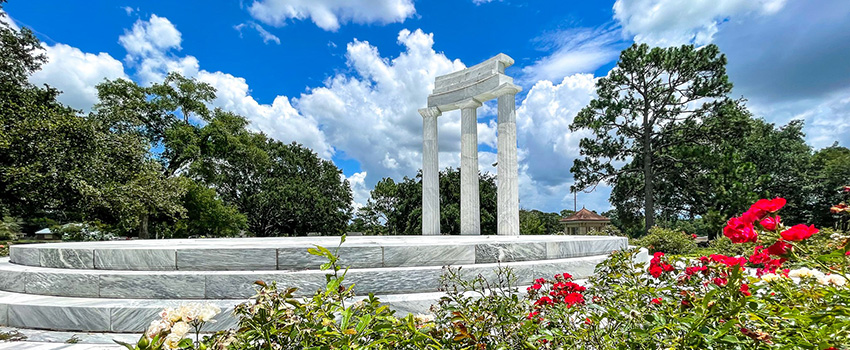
point(667, 241)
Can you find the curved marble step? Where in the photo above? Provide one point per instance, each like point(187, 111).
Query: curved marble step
point(134, 315)
point(239, 284)
point(288, 253)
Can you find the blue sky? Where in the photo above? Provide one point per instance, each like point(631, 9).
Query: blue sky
point(346, 77)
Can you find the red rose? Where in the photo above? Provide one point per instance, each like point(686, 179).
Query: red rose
point(536, 286)
point(656, 301)
point(540, 280)
point(532, 314)
point(846, 188)
point(779, 248)
point(740, 231)
point(720, 281)
point(768, 205)
point(567, 276)
point(798, 232)
point(745, 289)
point(759, 256)
point(769, 223)
point(587, 320)
point(694, 236)
point(847, 253)
point(544, 301)
point(573, 298)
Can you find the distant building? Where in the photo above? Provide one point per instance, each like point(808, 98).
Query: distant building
point(44, 234)
point(583, 221)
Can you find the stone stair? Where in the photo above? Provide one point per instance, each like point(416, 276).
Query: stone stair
point(122, 286)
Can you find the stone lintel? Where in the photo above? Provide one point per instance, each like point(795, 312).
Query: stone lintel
point(484, 90)
point(471, 75)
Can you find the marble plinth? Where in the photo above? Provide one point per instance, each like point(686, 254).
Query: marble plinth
point(112, 284)
point(290, 253)
point(120, 286)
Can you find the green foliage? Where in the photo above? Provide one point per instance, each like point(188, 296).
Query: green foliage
point(607, 230)
point(668, 241)
point(283, 189)
point(479, 313)
point(395, 208)
point(535, 222)
point(643, 109)
point(4, 249)
point(206, 215)
point(275, 319)
point(829, 173)
point(723, 245)
point(10, 228)
point(82, 232)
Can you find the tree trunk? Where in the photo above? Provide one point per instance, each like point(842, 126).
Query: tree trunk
point(143, 226)
point(648, 199)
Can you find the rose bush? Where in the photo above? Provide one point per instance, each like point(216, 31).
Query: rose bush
point(788, 291)
point(171, 329)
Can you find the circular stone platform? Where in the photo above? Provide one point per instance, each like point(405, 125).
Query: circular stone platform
point(119, 286)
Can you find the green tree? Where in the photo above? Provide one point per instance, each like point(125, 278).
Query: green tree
point(283, 189)
point(530, 223)
point(829, 173)
point(395, 208)
point(649, 98)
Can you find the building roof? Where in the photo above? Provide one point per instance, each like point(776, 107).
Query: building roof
point(585, 215)
point(44, 231)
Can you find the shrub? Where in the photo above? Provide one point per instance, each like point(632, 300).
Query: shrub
point(4, 249)
point(274, 319)
point(10, 228)
point(667, 241)
point(712, 302)
point(82, 232)
point(607, 230)
point(723, 245)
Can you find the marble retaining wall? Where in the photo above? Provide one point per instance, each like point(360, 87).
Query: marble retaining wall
point(239, 284)
point(291, 253)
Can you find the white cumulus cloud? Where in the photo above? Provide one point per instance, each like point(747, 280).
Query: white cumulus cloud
point(674, 22)
point(329, 14)
point(265, 34)
point(372, 116)
point(155, 56)
point(76, 74)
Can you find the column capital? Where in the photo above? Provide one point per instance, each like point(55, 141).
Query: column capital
point(430, 112)
point(507, 89)
point(469, 103)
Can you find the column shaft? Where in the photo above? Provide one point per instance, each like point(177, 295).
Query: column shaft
point(430, 173)
point(470, 211)
point(508, 190)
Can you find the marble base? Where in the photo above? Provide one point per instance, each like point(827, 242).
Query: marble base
point(290, 253)
point(111, 284)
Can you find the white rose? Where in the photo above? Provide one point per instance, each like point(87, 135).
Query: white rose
point(832, 279)
point(170, 314)
point(189, 312)
point(770, 277)
point(181, 329)
point(208, 312)
point(156, 327)
point(172, 341)
point(805, 273)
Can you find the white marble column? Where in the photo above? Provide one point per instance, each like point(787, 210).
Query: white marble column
point(508, 190)
point(470, 212)
point(430, 172)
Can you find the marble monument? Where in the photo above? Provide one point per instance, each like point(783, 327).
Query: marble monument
point(467, 90)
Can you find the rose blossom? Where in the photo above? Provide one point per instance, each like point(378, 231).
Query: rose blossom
point(769, 223)
point(798, 232)
point(181, 329)
point(779, 248)
point(837, 280)
point(739, 231)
